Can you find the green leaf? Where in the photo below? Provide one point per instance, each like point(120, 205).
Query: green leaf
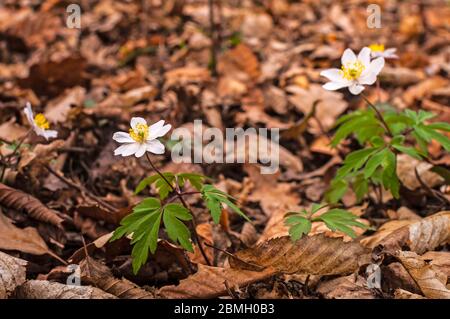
point(196, 180)
point(440, 138)
point(411, 151)
point(441, 126)
point(143, 224)
point(360, 187)
point(341, 220)
point(145, 183)
point(298, 226)
point(215, 198)
point(337, 191)
point(177, 231)
point(374, 162)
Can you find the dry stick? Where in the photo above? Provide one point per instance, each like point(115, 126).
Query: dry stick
point(186, 205)
point(212, 35)
point(80, 188)
point(429, 190)
point(379, 115)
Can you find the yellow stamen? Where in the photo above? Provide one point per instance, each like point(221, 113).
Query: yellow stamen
point(139, 133)
point(352, 70)
point(376, 47)
point(41, 121)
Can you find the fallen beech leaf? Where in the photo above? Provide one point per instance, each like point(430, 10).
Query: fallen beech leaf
point(58, 110)
point(42, 152)
point(349, 287)
point(406, 167)
point(186, 75)
point(404, 294)
point(205, 232)
point(19, 200)
point(11, 131)
point(12, 274)
point(100, 276)
point(240, 63)
point(424, 275)
point(316, 255)
point(424, 88)
point(26, 240)
point(418, 236)
point(43, 289)
point(209, 282)
point(439, 260)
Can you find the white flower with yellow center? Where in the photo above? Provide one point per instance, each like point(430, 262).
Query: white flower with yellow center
point(39, 123)
point(141, 138)
point(356, 71)
point(378, 50)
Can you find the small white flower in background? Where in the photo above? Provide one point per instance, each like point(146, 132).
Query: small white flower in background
point(378, 50)
point(39, 123)
point(141, 138)
point(356, 71)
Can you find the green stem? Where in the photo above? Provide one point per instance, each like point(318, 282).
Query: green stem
point(185, 204)
point(379, 115)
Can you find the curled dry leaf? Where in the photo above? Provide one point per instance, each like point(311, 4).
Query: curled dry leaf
point(428, 280)
point(26, 240)
point(348, 287)
point(19, 200)
point(316, 255)
point(43, 289)
point(209, 282)
point(100, 276)
point(440, 260)
point(12, 274)
point(418, 236)
point(406, 167)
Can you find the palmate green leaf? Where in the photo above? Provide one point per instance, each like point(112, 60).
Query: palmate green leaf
point(173, 217)
point(440, 138)
point(374, 162)
point(389, 175)
point(340, 220)
point(360, 186)
point(215, 199)
point(196, 180)
point(298, 226)
point(143, 224)
point(337, 190)
point(161, 185)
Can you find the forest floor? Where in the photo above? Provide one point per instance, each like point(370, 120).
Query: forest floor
point(61, 199)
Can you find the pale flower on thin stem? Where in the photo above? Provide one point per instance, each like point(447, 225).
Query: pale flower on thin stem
point(141, 138)
point(39, 123)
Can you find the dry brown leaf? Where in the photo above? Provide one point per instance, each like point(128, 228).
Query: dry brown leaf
point(12, 274)
point(240, 63)
point(19, 200)
point(42, 152)
point(58, 110)
point(404, 294)
point(26, 240)
point(423, 89)
point(209, 282)
point(418, 236)
point(100, 276)
point(43, 289)
point(315, 255)
point(186, 75)
point(406, 167)
point(10, 131)
point(349, 287)
point(205, 232)
point(440, 260)
point(331, 105)
point(424, 275)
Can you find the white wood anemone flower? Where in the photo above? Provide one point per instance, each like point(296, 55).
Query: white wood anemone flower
point(39, 123)
point(378, 50)
point(141, 138)
point(356, 71)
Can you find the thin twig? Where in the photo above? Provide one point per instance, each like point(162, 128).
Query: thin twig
point(14, 152)
point(80, 188)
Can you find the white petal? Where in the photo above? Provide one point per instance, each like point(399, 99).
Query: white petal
point(156, 126)
point(334, 75)
point(127, 149)
point(141, 150)
point(390, 50)
point(137, 120)
point(29, 113)
point(331, 86)
point(159, 132)
point(376, 54)
point(364, 56)
point(376, 66)
point(368, 79)
point(355, 89)
point(122, 137)
point(155, 147)
point(49, 134)
point(348, 57)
